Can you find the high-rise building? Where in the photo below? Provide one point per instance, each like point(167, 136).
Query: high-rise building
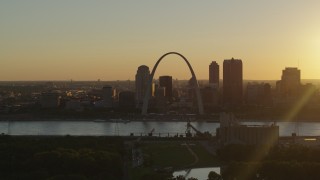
point(166, 82)
point(142, 78)
point(214, 74)
point(290, 82)
point(232, 82)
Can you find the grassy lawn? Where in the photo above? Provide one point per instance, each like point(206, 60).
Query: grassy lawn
point(168, 154)
point(138, 173)
point(205, 158)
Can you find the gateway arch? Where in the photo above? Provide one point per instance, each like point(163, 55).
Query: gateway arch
point(196, 85)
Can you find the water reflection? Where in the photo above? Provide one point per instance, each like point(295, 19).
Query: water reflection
point(92, 128)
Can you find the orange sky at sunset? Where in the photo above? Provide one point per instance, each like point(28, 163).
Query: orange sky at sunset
point(108, 40)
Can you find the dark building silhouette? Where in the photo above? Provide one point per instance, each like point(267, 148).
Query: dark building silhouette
point(233, 132)
point(232, 82)
point(126, 99)
point(166, 82)
point(249, 135)
point(214, 74)
point(107, 96)
point(258, 94)
point(210, 98)
point(290, 82)
point(160, 99)
point(191, 91)
point(310, 93)
point(142, 78)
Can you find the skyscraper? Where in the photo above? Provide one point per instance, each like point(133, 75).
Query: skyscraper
point(290, 82)
point(142, 78)
point(214, 74)
point(232, 82)
point(166, 82)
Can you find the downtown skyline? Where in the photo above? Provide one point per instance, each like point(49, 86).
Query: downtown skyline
point(82, 40)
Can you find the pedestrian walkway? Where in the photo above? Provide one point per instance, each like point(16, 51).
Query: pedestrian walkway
point(196, 158)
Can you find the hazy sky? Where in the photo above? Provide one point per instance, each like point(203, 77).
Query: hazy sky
point(108, 40)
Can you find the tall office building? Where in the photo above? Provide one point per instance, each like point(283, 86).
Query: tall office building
point(232, 82)
point(290, 82)
point(214, 74)
point(142, 78)
point(166, 82)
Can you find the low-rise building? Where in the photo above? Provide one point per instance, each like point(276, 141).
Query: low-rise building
point(232, 132)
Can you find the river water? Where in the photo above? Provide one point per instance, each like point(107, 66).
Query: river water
point(92, 128)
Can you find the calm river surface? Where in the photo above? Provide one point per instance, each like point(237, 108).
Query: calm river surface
point(92, 128)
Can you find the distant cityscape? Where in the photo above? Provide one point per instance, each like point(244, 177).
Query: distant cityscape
point(192, 102)
point(250, 99)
